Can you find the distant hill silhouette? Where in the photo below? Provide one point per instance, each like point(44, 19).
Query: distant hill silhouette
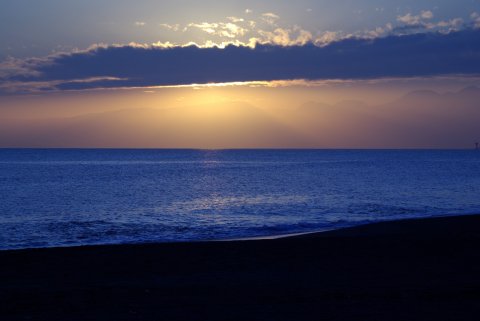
point(419, 119)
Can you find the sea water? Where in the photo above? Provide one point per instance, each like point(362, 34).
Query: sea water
point(70, 197)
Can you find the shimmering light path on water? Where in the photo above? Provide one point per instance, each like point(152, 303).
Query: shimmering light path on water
point(78, 196)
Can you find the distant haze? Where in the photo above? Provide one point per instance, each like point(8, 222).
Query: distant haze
point(246, 118)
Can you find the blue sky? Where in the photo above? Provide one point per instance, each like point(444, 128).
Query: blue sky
point(37, 28)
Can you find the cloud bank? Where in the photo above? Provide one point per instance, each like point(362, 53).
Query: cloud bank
point(427, 54)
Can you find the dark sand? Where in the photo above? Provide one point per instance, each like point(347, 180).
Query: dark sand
point(425, 269)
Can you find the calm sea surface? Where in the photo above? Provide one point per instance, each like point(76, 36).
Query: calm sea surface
point(76, 197)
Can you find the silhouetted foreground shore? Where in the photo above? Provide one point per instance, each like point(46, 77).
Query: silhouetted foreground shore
point(427, 269)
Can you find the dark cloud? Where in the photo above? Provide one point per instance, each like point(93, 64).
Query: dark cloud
point(427, 54)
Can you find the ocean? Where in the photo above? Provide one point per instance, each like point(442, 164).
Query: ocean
point(72, 197)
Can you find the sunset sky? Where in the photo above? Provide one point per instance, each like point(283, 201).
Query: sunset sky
point(240, 74)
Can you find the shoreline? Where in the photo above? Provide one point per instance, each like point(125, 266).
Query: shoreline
point(248, 238)
point(339, 229)
point(413, 269)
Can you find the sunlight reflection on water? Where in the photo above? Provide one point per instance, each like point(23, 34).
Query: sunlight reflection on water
point(75, 197)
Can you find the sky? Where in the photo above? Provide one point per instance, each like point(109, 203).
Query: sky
point(240, 74)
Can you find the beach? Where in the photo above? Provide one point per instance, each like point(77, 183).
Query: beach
point(419, 269)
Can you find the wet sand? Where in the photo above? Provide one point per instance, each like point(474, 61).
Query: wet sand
point(425, 269)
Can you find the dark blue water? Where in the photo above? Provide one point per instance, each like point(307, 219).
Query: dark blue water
point(76, 197)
